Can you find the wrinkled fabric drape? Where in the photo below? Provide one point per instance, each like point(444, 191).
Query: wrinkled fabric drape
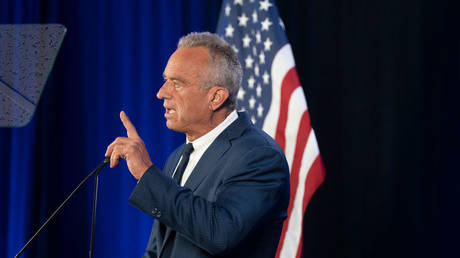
point(111, 59)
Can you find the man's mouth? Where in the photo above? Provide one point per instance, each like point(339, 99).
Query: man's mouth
point(170, 111)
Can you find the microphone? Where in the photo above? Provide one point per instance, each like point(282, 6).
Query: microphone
point(95, 171)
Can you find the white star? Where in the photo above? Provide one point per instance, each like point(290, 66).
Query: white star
point(252, 102)
point(241, 93)
point(281, 24)
point(266, 77)
point(227, 10)
point(259, 90)
point(253, 119)
point(268, 43)
point(254, 16)
point(246, 41)
point(240, 2)
point(249, 61)
point(256, 70)
point(264, 5)
point(229, 31)
point(266, 24)
point(251, 82)
point(258, 40)
point(262, 57)
point(254, 50)
point(260, 110)
point(235, 49)
point(243, 20)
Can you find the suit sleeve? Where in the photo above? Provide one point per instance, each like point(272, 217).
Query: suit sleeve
point(255, 192)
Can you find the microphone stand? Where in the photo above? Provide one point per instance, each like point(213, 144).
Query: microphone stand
point(93, 222)
point(95, 171)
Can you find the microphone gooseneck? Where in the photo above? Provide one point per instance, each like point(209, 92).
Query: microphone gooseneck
point(97, 170)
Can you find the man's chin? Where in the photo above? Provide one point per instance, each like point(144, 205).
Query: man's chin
point(169, 125)
point(172, 126)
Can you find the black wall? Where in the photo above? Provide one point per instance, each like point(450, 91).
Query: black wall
point(382, 83)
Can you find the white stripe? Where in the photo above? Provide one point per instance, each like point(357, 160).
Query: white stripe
point(282, 63)
point(294, 229)
point(297, 106)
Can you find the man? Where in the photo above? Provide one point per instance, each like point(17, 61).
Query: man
point(225, 193)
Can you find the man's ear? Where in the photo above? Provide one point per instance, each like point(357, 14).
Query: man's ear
point(217, 96)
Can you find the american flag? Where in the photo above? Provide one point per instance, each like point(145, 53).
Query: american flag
point(272, 95)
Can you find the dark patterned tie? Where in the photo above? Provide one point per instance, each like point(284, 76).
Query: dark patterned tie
point(183, 162)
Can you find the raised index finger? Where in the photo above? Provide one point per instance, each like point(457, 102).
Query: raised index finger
point(130, 129)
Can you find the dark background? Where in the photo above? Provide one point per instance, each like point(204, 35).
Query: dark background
point(382, 83)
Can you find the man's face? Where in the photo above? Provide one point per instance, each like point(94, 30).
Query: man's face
point(185, 100)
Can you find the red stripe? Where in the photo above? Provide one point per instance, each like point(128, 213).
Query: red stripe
point(302, 138)
point(315, 178)
point(289, 84)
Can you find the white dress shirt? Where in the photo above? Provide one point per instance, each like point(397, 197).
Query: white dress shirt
point(201, 144)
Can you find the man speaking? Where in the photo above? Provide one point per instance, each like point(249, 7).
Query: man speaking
point(225, 192)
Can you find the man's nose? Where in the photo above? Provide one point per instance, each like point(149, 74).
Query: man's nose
point(163, 92)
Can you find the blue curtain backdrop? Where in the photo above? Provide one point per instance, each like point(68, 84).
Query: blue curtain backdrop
point(112, 59)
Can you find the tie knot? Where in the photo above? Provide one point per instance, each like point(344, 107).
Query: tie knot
point(188, 148)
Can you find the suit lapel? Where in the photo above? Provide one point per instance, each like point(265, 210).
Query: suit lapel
point(218, 148)
point(207, 162)
point(171, 164)
point(199, 173)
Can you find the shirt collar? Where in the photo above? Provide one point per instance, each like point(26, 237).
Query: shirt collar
point(210, 136)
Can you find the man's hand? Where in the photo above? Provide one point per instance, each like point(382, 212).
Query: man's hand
point(131, 149)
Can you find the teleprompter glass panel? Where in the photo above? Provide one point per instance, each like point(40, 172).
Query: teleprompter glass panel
point(27, 54)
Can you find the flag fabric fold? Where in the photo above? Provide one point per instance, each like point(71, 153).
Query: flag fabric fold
point(272, 95)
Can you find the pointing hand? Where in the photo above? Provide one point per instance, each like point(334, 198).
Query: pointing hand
point(131, 148)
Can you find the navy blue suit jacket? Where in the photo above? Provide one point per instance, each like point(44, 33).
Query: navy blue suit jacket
point(232, 205)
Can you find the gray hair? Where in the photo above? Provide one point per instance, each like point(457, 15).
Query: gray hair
point(225, 68)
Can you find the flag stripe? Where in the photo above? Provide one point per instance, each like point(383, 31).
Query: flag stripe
point(282, 63)
point(304, 131)
point(293, 232)
point(290, 83)
point(297, 106)
point(315, 178)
